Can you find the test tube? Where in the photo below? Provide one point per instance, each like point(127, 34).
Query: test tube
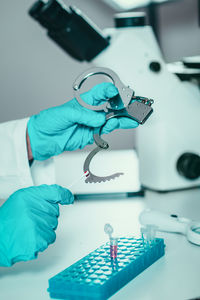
point(113, 247)
point(113, 241)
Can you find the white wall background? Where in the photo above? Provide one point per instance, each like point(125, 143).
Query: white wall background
point(36, 74)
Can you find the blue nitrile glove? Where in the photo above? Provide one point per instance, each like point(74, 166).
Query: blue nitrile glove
point(28, 220)
point(70, 126)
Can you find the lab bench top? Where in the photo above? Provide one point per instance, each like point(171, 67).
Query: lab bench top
point(175, 276)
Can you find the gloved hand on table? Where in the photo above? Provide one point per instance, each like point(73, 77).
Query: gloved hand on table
point(70, 126)
point(28, 220)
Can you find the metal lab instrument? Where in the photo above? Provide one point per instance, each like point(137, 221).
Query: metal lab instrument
point(172, 223)
point(123, 105)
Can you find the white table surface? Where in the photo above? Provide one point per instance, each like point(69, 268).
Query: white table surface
point(80, 231)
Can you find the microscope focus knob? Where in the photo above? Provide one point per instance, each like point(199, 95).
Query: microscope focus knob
point(188, 165)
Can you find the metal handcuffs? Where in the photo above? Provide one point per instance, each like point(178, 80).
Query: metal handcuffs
point(125, 105)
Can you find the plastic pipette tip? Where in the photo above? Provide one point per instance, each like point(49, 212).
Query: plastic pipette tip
point(84, 175)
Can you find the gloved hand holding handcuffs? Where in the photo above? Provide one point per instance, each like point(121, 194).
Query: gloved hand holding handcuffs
point(70, 126)
point(28, 218)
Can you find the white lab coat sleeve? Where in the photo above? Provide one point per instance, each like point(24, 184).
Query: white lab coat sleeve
point(15, 172)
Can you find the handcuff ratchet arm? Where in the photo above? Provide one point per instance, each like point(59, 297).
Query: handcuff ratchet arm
point(93, 178)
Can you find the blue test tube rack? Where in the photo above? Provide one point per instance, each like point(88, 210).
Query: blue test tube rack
point(97, 276)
